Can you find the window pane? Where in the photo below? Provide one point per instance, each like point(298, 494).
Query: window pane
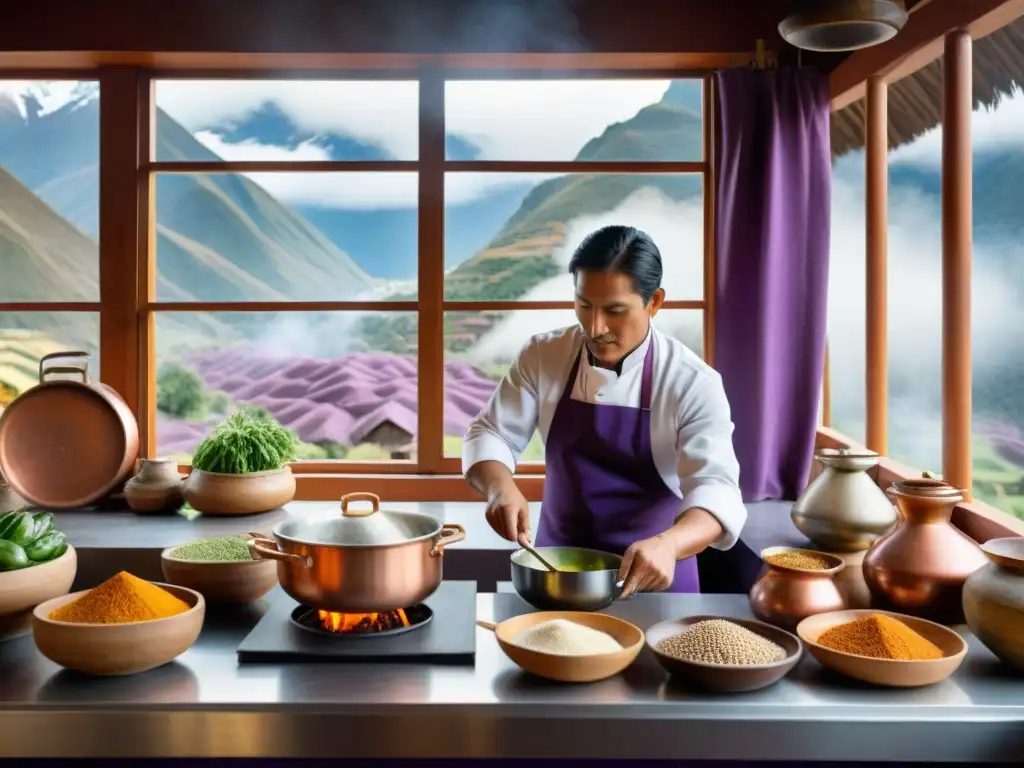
point(510, 236)
point(915, 279)
point(583, 120)
point(480, 347)
point(345, 382)
point(25, 337)
point(288, 120)
point(847, 280)
point(998, 290)
point(286, 236)
point(49, 190)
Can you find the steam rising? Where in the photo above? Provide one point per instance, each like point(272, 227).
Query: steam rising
point(678, 230)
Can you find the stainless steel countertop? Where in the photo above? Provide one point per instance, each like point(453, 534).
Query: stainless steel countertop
point(206, 705)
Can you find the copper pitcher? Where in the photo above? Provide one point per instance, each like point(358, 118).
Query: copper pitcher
point(785, 596)
point(919, 568)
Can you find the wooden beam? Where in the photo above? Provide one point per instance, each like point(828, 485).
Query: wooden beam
point(876, 158)
point(919, 43)
point(710, 121)
point(323, 28)
point(145, 255)
point(430, 361)
point(118, 231)
point(956, 260)
point(370, 65)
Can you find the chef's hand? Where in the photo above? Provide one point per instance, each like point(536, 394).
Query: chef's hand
point(647, 566)
point(507, 511)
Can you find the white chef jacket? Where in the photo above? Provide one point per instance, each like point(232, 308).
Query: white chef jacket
point(691, 424)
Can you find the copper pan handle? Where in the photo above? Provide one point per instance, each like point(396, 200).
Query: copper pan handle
point(373, 498)
point(82, 370)
point(450, 533)
point(486, 624)
point(265, 549)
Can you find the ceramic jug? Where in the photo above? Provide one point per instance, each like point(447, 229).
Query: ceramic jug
point(843, 510)
point(919, 568)
point(994, 600)
point(156, 488)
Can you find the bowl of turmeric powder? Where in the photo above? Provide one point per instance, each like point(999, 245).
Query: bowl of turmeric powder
point(122, 626)
point(883, 648)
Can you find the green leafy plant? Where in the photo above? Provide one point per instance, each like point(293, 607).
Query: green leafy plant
point(249, 440)
point(180, 392)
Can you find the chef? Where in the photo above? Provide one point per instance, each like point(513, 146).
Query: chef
point(636, 427)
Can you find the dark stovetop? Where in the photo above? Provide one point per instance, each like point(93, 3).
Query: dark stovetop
point(449, 638)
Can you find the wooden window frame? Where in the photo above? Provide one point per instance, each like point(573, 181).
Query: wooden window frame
point(954, 41)
point(132, 286)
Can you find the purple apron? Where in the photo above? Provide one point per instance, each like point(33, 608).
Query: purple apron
point(602, 489)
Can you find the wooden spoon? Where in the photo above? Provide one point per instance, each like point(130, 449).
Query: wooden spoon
point(525, 544)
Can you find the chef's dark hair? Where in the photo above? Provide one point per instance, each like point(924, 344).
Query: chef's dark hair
point(622, 249)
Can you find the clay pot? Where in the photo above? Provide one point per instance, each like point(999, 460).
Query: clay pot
point(9, 498)
point(215, 493)
point(786, 596)
point(994, 600)
point(843, 510)
point(157, 487)
point(920, 567)
point(24, 589)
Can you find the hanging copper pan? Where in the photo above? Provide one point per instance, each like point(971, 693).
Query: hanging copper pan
point(67, 443)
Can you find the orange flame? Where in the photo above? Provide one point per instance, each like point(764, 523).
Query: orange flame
point(363, 622)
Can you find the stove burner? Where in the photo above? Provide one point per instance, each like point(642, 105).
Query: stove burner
point(370, 625)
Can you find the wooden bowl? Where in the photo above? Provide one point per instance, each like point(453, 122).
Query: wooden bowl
point(117, 649)
point(888, 672)
point(569, 669)
point(229, 581)
point(726, 678)
point(215, 493)
point(24, 589)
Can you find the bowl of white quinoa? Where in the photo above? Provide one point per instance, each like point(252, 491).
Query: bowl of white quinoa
point(723, 654)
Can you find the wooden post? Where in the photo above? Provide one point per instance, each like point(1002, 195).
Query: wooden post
point(956, 260)
point(118, 231)
point(430, 419)
point(876, 158)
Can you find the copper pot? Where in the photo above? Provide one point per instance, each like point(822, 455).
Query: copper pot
point(67, 443)
point(785, 596)
point(364, 561)
point(919, 568)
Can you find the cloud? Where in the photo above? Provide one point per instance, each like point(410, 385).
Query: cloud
point(991, 129)
point(914, 317)
point(677, 228)
point(507, 120)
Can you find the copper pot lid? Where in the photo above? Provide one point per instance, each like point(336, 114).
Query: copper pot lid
point(59, 442)
point(847, 458)
point(926, 487)
point(373, 527)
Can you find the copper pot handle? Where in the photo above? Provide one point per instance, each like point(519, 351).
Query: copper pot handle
point(373, 498)
point(450, 533)
point(82, 370)
point(265, 549)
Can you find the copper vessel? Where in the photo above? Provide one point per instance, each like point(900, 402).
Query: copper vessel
point(65, 443)
point(785, 596)
point(364, 561)
point(919, 568)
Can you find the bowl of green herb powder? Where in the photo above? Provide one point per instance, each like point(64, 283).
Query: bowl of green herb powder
point(220, 568)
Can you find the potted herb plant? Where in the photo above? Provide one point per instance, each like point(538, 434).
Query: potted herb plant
point(242, 466)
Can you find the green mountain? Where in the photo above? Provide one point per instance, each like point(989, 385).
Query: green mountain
point(220, 237)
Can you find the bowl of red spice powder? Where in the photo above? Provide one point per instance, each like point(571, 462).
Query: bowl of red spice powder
point(882, 647)
point(122, 626)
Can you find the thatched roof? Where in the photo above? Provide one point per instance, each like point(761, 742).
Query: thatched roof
point(915, 102)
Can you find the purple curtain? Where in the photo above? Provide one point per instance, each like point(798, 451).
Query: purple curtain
point(774, 204)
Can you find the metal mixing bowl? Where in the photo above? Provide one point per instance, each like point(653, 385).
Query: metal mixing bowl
point(590, 588)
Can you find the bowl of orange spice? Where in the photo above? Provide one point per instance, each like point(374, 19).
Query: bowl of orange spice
point(122, 626)
point(883, 648)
